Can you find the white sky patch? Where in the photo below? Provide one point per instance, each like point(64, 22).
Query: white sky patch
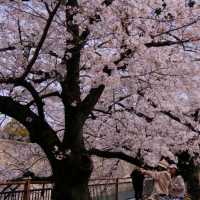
point(2, 14)
point(107, 51)
point(182, 96)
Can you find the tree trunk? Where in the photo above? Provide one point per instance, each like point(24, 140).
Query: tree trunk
point(193, 184)
point(64, 191)
point(190, 173)
point(71, 177)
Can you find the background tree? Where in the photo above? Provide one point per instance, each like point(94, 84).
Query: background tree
point(15, 130)
point(187, 164)
point(116, 79)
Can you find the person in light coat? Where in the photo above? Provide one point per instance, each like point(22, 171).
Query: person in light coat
point(177, 187)
point(162, 181)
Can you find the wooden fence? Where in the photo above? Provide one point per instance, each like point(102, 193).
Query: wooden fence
point(104, 189)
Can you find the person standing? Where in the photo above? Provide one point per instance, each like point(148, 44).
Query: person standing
point(177, 187)
point(162, 181)
point(137, 181)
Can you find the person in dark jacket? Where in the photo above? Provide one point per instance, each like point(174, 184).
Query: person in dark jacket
point(137, 181)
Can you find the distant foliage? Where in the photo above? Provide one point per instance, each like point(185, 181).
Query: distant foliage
point(14, 128)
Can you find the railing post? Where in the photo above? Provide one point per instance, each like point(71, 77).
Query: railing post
point(43, 189)
point(27, 190)
point(116, 188)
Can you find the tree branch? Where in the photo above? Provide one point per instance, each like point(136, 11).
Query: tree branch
point(171, 115)
point(52, 94)
point(9, 48)
point(139, 114)
point(20, 32)
point(35, 95)
point(31, 89)
point(116, 155)
point(40, 131)
point(165, 43)
point(177, 119)
point(42, 39)
point(90, 100)
point(102, 111)
point(177, 28)
point(107, 2)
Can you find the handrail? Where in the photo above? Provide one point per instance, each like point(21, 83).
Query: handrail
point(21, 182)
point(28, 187)
point(24, 181)
point(113, 183)
point(93, 179)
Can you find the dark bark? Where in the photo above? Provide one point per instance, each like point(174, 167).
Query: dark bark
point(71, 177)
point(190, 173)
point(116, 155)
point(39, 130)
point(166, 43)
point(70, 162)
point(70, 174)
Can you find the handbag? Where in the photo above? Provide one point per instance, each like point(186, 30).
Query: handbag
point(187, 197)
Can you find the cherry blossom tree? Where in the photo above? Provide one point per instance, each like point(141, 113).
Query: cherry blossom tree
point(111, 78)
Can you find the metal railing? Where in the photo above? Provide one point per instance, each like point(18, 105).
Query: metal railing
point(26, 190)
point(100, 189)
point(111, 189)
